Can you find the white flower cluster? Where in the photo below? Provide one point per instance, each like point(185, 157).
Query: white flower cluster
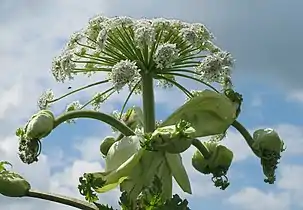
point(45, 97)
point(216, 67)
point(124, 72)
point(144, 34)
point(165, 55)
point(98, 99)
point(117, 44)
point(75, 105)
point(62, 66)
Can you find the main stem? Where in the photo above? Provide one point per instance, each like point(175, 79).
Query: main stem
point(148, 102)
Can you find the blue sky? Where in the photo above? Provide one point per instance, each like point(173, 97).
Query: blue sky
point(265, 38)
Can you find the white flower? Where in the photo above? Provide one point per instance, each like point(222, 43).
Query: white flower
point(45, 97)
point(98, 99)
point(165, 55)
point(75, 105)
point(144, 34)
point(123, 73)
point(121, 21)
point(160, 23)
point(75, 37)
point(95, 24)
point(101, 39)
point(216, 67)
point(189, 35)
point(62, 66)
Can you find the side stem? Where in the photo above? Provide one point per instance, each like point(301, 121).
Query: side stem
point(248, 138)
point(94, 115)
point(204, 151)
point(62, 199)
point(148, 102)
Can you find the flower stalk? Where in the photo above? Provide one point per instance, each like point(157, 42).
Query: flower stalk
point(73, 202)
point(94, 115)
point(148, 102)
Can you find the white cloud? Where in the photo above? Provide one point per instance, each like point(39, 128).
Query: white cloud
point(254, 199)
point(291, 181)
point(296, 96)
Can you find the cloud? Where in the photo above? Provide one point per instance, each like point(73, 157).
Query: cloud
point(254, 199)
point(291, 182)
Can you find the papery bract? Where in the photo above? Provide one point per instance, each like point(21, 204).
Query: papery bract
point(173, 138)
point(40, 125)
point(217, 164)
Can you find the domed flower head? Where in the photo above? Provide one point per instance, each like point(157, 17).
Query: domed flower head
point(268, 145)
point(126, 48)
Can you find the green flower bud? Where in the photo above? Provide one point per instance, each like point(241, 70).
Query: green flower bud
point(106, 144)
point(13, 185)
point(267, 139)
point(40, 125)
point(217, 164)
point(268, 146)
point(173, 139)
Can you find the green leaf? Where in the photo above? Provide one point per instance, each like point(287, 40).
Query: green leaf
point(210, 113)
point(178, 171)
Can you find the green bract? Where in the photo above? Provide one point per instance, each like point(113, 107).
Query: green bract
point(106, 143)
point(268, 146)
point(121, 151)
point(267, 139)
point(40, 125)
point(163, 165)
point(218, 163)
point(173, 138)
point(12, 184)
point(121, 158)
point(209, 113)
point(133, 117)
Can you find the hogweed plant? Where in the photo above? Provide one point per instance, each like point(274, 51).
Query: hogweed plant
point(145, 156)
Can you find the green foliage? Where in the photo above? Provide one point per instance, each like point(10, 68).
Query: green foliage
point(151, 199)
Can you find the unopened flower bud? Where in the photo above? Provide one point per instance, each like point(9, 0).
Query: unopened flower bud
point(106, 144)
point(12, 184)
point(173, 139)
point(217, 164)
point(268, 146)
point(40, 125)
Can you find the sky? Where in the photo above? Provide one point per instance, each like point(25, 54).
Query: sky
point(263, 36)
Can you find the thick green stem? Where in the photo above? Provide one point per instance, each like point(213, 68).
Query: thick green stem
point(148, 102)
point(95, 115)
point(248, 138)
point(62, 199)
point(204, 151)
